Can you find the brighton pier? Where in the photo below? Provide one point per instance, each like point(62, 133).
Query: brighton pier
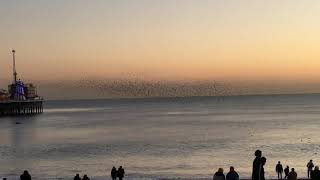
point(20, 98)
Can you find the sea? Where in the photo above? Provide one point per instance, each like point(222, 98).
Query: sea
point(162, 138)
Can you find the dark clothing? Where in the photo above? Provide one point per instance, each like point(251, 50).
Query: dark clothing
point(232, 175)
point(262, 173)
point(25, 176)
point(85, 178)
point(279, 175)
point(114, 173)
point(315, 175)
point(286, 172)
point(292, 175)
point(219, 176)
point(121, 173)
point(77, 177)
point(279, 170)
point(256, 168)
point(309, 166)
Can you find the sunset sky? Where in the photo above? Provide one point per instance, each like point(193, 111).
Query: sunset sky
point(162, 39)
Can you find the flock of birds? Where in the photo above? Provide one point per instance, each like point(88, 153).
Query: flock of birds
point(144, 88)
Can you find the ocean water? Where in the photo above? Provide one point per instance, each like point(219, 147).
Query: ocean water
point(162, 137)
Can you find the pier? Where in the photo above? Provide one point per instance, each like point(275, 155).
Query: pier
point(28, 107)
point(21, 98)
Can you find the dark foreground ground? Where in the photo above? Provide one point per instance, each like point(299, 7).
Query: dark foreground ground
point(211, 179)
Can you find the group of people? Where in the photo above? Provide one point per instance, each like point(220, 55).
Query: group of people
point(313, 174)
point(117, 173)
point(114, 175)
point(258, 171)
point(280, 170)
point(77, 177)
point(231, 175)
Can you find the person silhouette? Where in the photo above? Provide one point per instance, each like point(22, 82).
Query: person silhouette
point(292, 175)
point(310, 167)
point(121, 173)
point(256, 165)
point(25, 176)
point(232, 174)
point(315, 174)
point(263, 162)
point(219, 175)
point(77, 177)
point(279, 170)
point(85, 177)
point(286, 172)
point(114, 173)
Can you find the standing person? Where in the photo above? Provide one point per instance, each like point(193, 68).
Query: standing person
point(263, 162)
point(292, 175)
point(219, 175)
point(121, 173)
point(25, 176)
point(114, 173)
point(77, 177)
point(256, 165)
point(279, 170)
point(286, 172)
point(85, 177)
point(315, 174)
point(310, 167)
point(232, 174)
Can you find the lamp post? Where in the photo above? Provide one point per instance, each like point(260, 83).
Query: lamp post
point(14, 67)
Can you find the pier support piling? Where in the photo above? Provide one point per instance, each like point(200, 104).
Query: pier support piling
point(11, 108)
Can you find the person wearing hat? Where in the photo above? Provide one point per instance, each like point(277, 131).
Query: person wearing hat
point(219, 175)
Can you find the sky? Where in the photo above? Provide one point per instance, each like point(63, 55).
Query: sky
point(226, 40)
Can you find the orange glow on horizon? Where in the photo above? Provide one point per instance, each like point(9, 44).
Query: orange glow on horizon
point(246, 40)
